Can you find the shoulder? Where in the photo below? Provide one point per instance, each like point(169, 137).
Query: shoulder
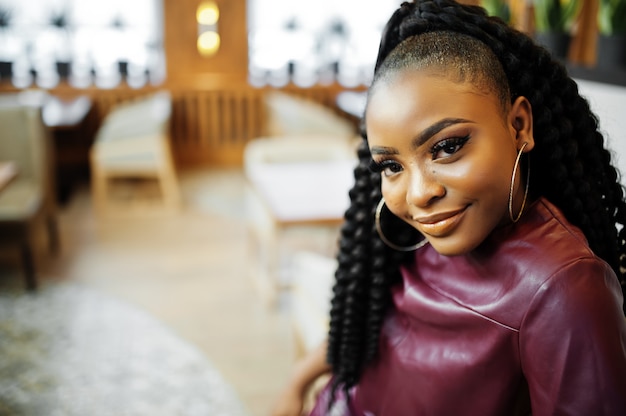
point(543, 244)
point(571, 341)
point(577, 290)
point(543, 255)
point(562, 273)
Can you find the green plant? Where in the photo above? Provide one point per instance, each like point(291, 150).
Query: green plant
point(498, 8)
point(555, 15)
point(612, 17)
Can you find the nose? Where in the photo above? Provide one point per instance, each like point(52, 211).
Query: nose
point(424, 188)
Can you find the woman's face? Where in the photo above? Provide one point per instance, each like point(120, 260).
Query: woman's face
point(446, 152)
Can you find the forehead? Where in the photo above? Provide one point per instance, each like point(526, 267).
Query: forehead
point(436, 73)
point(425, 91)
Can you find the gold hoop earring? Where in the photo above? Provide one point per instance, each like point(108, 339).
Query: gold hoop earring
point(379, 230)
point(521, 211)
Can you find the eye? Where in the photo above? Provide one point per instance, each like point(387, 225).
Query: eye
point(447, 147)
point(386, 167)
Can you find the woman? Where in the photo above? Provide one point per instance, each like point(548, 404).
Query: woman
point(480, 261)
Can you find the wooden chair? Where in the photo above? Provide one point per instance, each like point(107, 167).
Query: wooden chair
point(28, 200)
point(133, 142)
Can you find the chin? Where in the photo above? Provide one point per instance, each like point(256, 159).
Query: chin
point(453, 248)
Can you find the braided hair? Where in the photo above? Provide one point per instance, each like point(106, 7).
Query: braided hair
point(569, 150)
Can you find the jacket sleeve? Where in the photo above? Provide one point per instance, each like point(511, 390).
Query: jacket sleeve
point(573, 343)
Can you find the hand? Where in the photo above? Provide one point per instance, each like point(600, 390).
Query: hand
point(290, 403)
point(294, 402)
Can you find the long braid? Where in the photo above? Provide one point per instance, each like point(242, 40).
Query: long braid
point(569, 166)
point(362, 281)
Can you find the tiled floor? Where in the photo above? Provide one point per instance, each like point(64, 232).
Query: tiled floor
point(192, 271)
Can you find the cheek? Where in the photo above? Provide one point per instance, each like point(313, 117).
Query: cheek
point(394, 193)
point(487, 177)
point(496, 171)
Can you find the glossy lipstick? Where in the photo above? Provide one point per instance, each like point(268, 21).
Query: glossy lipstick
point(440, 224)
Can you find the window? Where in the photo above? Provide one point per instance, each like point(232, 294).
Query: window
point(87, 42)
point(317, 42)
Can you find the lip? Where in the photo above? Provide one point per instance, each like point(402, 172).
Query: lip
point(440, 224)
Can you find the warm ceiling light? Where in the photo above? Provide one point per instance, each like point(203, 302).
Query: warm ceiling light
point(208, 43)
point(208, 13)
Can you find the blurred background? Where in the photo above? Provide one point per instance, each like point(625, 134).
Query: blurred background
point(173, 177)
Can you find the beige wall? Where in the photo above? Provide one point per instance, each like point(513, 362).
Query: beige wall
point(185, 66)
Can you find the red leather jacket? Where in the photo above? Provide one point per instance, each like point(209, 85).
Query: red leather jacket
point(530, 321)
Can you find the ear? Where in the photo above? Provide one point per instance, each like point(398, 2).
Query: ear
point(520, 122)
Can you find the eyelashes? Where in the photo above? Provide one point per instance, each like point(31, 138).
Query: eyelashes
point(448, 146)
point(378, 167)
point(375, 167)
point(441, 150)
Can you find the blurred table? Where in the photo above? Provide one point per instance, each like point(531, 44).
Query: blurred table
point(305, 192)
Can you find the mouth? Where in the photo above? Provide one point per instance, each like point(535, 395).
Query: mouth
point(440, 224)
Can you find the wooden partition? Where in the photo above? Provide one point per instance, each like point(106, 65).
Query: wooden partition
point(214, 126)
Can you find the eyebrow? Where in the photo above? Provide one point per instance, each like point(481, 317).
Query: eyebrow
point(423, 137)
point(385, 151)
point(435, 128)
